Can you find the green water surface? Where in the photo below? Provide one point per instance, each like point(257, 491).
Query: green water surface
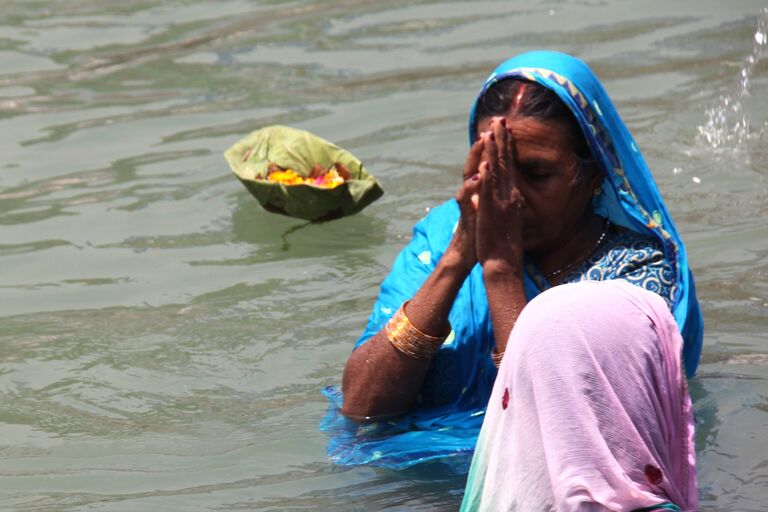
point(163, 339)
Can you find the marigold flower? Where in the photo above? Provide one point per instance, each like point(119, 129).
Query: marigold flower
point(329, 179)
point(286, 177)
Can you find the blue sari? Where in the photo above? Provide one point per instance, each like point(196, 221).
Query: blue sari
point(446, 419)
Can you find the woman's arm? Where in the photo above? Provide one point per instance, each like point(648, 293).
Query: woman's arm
point(380, 381)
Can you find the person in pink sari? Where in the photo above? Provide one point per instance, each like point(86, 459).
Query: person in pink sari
point(590, 409)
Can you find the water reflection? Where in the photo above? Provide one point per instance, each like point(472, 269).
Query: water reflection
point(278, 236)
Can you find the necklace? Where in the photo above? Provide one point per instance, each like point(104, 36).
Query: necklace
point(584, 256)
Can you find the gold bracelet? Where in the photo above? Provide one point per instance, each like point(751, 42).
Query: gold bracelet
point(497, 357)
point(409, 340)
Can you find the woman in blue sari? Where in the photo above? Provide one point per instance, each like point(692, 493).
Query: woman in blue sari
point(555, 191)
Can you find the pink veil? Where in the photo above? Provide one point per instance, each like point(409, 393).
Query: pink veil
point(590, 410)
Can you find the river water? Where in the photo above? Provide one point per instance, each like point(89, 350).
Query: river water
point(163, 339)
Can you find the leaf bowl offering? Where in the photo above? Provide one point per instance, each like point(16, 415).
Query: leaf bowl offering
point(298, 174)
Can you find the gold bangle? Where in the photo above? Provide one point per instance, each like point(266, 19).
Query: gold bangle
point(497, 357)
point(409, 340)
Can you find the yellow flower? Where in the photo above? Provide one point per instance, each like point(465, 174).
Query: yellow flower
point(286, 177)
point(331, 179)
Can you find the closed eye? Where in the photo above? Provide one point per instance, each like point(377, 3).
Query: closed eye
point(537, 176)
point(536, 173)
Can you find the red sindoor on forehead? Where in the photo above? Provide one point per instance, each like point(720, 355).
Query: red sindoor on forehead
point(520, 94)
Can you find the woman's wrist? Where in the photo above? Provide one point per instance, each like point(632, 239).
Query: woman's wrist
point(455, 262)
point(409, 339)
point(503, 267)
point(504, 286)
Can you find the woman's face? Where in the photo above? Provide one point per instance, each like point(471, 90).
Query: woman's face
point(549, 176)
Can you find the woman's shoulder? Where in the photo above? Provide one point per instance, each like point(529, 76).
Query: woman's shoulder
point(635, 257)
point(626, 251)
point(625, 245)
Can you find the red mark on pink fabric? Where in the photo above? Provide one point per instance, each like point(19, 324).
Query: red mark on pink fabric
point(653, 475)
point(505, 399)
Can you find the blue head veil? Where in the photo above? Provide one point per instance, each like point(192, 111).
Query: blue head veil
point(630, 197)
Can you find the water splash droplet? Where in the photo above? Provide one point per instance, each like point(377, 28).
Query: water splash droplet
point(727, 122)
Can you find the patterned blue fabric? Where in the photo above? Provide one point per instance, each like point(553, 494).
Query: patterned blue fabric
point(626, 255)
point(645, 250)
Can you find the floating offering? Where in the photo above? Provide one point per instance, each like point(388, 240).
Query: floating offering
point(298, 174)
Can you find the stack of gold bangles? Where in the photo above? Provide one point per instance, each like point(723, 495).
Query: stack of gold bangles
point(409, 340)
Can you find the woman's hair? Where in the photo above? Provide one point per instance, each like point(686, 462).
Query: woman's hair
point(530, 99)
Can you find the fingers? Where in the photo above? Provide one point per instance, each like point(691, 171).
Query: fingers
point(511, 157)
point(473, 158)
point(502, 136)
point(493, 157)
point(485, 192)
point(499, 158)
point(490, 150)
point(505, 144)
point(468, 193)
point(472, 189)
point(485, 210)
point(490, 180)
